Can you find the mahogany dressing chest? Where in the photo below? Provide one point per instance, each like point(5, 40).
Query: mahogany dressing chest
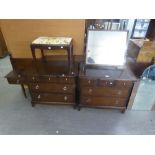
point(105, 81)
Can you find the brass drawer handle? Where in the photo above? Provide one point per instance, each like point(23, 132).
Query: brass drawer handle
point(39, 97)
point(49, 78)
point(90, 90)
point(88, 100)
point(111, 83)
point(117, 102)
point(65, 88)
point(119, 92)
point(65, 98)
point(89, 81)
point(37, 87)
point(19, 75)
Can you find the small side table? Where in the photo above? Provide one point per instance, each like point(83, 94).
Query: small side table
point(54, 43)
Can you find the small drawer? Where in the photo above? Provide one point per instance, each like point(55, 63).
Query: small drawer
point(115, 83)
point(125, 83)
point(67, 80)
point(103, 101)
point(14, 78)
point(49, 97)
point(52, 88)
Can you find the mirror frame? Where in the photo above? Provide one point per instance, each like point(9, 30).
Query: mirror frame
point(104, 65)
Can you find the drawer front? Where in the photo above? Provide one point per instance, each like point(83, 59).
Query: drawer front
point(69, 80)
point(57, 98)
point(103, 101)
point(105, 91)
point(115, 83)
point(106, 83)
point(15, 80)
point(52, 88)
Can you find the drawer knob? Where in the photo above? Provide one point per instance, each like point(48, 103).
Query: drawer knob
point(124, 83)
point(37, 87)
point(49, 78)
point(119, 92)
point(110, 83)
point(88, 100)
point(64, 88)
point(66, 79)
point(19, 75)
point(49, 48)
point(62, 47)
point(33, 78)
point(107, 76)
point(89, 81)
point(116, 102)
point(39, 97)
point(90, 90)
point(65, 98)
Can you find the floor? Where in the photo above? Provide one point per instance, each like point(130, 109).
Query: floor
point(18, 117)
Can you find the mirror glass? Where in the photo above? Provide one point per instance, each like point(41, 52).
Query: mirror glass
point(106, 47)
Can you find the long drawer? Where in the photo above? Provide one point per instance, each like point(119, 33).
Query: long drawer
point(49, 97)
point(103, 101)
point(52, 88)
point(105, 91)
point(49, 79)
point(106, 83)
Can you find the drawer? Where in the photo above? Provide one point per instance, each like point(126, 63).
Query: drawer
point(105, 91)
point(45, 47)
point(115, 83)
point(103, 101)
point(14, 78)
point(68, 80)
point(49, 97)
point(106, 83)
point(52, 88)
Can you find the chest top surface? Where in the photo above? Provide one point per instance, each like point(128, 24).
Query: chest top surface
point(52, 41)
point(108, 74)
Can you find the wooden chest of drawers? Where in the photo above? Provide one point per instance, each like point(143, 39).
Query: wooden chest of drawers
point(102, 88)
point(52, 90)
point(45, 85)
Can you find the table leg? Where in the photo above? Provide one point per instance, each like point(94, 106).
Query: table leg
point(33, 53)
point(23, 90)
point(68, 52)
point(42, 54)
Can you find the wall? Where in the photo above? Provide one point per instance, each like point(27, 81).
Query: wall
point(19, 34)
